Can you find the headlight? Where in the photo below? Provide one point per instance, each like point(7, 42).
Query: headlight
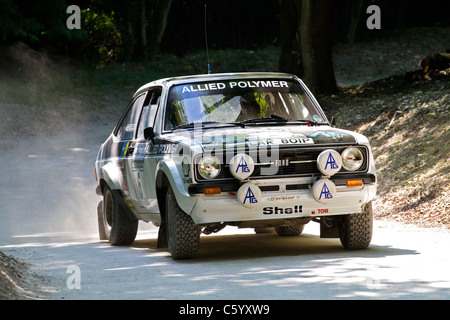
point(352, 159)
point(209, 167)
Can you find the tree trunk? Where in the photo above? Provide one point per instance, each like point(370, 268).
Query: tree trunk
point(158, 23)
point(356, 9)
point(291, 54)
point(143, 29)
point(317, 43)
point(126, 23)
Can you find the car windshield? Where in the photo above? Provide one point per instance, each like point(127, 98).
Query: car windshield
point(239, 102)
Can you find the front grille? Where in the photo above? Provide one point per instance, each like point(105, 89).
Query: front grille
point(292, 163)
point(297, 187)
point(269, 188)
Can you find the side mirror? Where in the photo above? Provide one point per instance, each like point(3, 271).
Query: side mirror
point(149, 134)
point(333, 122)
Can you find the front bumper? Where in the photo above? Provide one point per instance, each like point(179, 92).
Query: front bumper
point(284, 204)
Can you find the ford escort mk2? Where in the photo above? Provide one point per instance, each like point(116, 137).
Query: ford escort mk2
point(195, 154)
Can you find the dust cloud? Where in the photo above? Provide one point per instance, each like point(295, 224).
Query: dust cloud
point(50, 138)
point(37, 94)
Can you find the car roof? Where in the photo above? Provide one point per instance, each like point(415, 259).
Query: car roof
point(212, 77)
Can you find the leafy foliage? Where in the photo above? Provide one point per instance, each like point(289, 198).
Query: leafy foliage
point(15, 26)
point(104, 43)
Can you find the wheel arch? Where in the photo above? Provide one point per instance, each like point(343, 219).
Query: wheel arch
point(111, 176)
point(169, 175)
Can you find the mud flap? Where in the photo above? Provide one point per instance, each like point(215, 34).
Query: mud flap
point(162, 236)
point(101, 230)
point(329, 226)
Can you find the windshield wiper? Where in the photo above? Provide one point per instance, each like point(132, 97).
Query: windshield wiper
point(202, 124)
point(272, 118)
point(278, 119)
point(309, 122)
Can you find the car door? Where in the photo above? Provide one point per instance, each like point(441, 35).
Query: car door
point(122, 143)
point(142, 172)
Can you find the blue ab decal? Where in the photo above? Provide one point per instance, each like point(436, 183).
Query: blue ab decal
point(243, 165)
point(331, 162)
point(325, 192)
point(250, 196)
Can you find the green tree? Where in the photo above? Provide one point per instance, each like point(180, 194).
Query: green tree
point(15, 26)
point(38, 23)
point(141, 24)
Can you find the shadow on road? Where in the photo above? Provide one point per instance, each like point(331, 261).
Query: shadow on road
point(233, 266)
point(267, 245)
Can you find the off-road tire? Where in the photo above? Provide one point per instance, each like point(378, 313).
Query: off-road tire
point(115, 224)
point(292, 230)
point(356, 230)
point(183, 235)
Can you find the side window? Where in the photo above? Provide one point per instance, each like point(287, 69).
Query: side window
point(148, 113)
point(128, 124)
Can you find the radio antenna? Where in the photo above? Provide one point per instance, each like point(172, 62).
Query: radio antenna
point(206, 41)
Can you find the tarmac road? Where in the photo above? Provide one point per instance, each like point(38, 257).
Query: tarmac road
point(48, 219)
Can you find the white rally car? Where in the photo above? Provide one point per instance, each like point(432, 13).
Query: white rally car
point(194, 154)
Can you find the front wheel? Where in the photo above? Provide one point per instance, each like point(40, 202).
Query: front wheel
point(356, 229)
point(183, 235)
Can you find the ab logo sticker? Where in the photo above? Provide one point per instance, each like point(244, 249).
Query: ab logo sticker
point(331, 162)
point(325, 192)
point(243, 165)
point(250, 196)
